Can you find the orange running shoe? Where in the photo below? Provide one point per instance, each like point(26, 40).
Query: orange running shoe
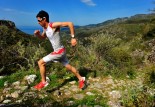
point(82, 83)
point(41, 85)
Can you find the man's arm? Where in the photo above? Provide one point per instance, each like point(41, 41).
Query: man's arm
point(64, 24)
point(71, 27)
point(41, 36)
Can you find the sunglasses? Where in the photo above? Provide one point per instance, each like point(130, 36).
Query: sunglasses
point(41, 19)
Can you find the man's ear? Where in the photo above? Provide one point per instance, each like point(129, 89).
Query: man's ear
point(44, 18)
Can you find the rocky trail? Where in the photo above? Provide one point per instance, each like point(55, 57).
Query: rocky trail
point(105, 90)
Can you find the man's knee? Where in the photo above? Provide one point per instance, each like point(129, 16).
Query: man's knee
point(41, 62)
point(68, 66)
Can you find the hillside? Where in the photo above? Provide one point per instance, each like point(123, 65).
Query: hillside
point(13, 48)
point(111, 25)
point(117, 57)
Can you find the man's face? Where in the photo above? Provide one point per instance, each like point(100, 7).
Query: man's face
point(41, 21)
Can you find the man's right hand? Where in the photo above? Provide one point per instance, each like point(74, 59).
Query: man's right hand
point(36, 32)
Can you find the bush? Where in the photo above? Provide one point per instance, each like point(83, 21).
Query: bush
point(103, 43)
point(119, 56)
point(137, 96)
point(93, 100)
point(150, 75)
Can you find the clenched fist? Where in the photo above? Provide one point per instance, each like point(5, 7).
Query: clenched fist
point(73, 42)
point(36, 32)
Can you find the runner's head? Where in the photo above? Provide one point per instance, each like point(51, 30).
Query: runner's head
point(42, 15)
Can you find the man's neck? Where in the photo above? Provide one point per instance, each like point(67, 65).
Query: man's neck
point(46, 25)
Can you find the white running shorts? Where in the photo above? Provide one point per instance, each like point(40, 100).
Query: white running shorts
point(57, 56)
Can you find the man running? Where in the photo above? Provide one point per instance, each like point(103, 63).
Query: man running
point(52, 32)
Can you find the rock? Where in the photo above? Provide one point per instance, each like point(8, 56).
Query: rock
point(6, 101)
point(41, 96)
point(23, 88)
point(89, 93)
point(57, 93)
point(65, 86)
point(30, 79)
point(62, 88)
point(83, 106)
point(114, 104)
point(109, 81)
point(97, 106)
point(1, 77)
point(8, 95)
point(74, 88)
point(17, 83)
point(70, 103)
point(47, 79)
point(67, 92)
point(67, 78)
point(6, 90)
point(78, 96)
point(115, 95)
point(29, 95)
point(24, 82)
point(1, 98)
point(98, 85)
point(6, 84)
point(72, 82)
point(94, 79)
point(15, 94)
point(19, 101)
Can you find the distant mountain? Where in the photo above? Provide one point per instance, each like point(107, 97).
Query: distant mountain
point(121, 20)
point(108, 22)
point(113, 24)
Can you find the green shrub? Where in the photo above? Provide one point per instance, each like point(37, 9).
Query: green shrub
point(149, 31)
point(93, 100)
point(119, 56)
point(150, 75)
point(103, 43)
point(2, 82)
point(135, 96)
point(19, 51)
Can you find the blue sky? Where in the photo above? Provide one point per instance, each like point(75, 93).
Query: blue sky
point(80, 12)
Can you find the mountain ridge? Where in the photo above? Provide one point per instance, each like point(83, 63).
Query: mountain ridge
point(120, 20)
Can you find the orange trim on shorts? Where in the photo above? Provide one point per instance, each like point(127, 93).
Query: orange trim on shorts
point(60, 51)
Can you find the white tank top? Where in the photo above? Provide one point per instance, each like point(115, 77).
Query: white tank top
point(54, 37)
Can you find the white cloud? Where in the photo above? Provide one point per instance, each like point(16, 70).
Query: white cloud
point(14, 11)
point(8, 10)
point(88, 2)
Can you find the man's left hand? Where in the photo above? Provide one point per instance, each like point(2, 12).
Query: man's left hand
point(73, 42)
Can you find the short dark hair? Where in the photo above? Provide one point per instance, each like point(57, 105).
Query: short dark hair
point(43, 14)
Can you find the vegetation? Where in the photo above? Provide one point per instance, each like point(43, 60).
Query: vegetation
point(121, 48)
